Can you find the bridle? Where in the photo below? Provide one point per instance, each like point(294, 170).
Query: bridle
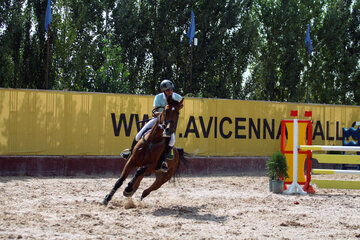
point(165, 122)
point(161, 125)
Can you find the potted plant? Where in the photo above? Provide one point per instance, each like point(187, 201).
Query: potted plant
point(276, 168)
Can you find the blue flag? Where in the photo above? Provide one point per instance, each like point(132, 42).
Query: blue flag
point(191, 31)
point(48, 16)
point(308, 40)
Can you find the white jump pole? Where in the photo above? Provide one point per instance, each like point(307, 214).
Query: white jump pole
point(335, 171)
point(329, 148)
point(295, 187)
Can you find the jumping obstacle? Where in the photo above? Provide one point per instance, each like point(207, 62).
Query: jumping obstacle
point(296, 151)
point(337, 159)
point(355, 135)
point(295, 158)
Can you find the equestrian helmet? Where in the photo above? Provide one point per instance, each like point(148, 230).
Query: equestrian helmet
point(166, 85)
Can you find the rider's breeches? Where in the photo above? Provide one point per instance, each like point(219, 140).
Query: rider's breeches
point(148, 126)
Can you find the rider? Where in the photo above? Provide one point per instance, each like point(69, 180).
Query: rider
point(167, 88)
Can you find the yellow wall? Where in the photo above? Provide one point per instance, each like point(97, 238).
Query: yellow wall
point(72, 123)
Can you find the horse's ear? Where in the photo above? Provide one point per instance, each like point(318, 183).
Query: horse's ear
point(181, 104)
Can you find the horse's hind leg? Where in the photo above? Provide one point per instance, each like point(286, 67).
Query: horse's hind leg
point(161, 178)
point(119, 182)
point(135, 182)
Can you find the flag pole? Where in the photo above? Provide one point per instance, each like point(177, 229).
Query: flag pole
point(47, 60)
point(47, 29)
point(191, 60)
point(191, 34)
point(307, 78)
point(308, 50)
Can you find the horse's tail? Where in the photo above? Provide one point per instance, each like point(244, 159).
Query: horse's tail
point(181, 163)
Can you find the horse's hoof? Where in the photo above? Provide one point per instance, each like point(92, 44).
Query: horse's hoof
point(143, 195)
point(104, 202)
point(128, 193)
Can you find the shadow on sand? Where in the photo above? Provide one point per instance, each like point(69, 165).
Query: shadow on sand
point(189, 213)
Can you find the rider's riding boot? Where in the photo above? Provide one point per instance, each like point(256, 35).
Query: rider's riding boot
point(127, 154)
point(162, 164)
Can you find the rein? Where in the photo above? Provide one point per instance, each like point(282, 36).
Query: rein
point(161, 126)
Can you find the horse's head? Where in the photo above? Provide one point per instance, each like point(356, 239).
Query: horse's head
point(170, 116)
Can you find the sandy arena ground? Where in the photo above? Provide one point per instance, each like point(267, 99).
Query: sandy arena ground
point(221, 207)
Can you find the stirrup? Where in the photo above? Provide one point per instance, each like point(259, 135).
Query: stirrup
point(164, 167)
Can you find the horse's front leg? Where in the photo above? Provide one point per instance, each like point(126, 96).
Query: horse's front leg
point(135, 182)
point(126, 171)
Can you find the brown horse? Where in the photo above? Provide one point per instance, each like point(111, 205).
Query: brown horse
point(147, 152)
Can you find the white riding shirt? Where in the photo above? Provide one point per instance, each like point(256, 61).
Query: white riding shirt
point(160, 100)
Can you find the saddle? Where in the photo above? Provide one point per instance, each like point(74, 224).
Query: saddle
point(126, 154)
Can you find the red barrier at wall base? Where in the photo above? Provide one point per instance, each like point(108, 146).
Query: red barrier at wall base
point(103, 165)
point(224, 165)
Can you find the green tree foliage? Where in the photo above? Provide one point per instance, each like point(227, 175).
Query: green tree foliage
point(227, 40)
point(337, 60)
point(10, 39)
point(153, 37)
point(82, 55)
point(279, 67)
point(281, 71)
point(87, 60)
point(247, 49)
